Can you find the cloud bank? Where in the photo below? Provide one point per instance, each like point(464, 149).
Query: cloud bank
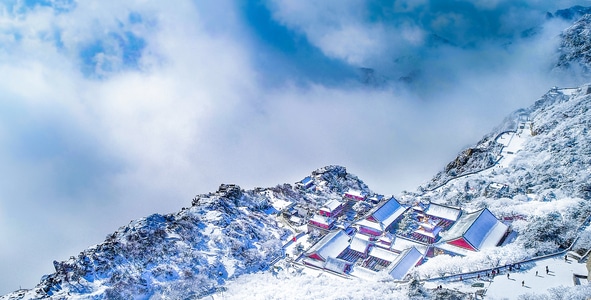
point(111, 110)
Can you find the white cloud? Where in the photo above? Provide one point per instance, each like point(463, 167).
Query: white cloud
point(412, 34)
point(353, 44)
point(148, 123)
point(338, 28)
point(83, 155)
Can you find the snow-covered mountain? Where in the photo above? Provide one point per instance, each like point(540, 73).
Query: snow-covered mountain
point(575, 46)
point(571, 13)
point(537, 155)
point(532, 171)
point(191, 253)
point(556, 128)
point(534, 165)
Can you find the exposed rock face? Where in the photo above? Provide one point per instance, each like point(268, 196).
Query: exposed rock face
point(481, 156)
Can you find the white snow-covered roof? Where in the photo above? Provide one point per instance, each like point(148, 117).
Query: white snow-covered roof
point(295, 219)
point(386, 238)
point(354, 193)
point(431, 234)
point(404, 263)
point(383, 254)
point(369, 224)
point(362, 236)
point(359, 244)
point(494, 235)
point(400, 244)
point(336, 265)
point(497, 185)
point(331, 245)
point(313, 262)
point(322, 219)
point(331, 205)
point(443, 212)
point(427, 225)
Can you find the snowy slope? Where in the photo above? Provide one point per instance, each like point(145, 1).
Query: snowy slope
point(190, 253)
point(542, 150)
point(194, 250)
point(532, 170)
point(540, 184)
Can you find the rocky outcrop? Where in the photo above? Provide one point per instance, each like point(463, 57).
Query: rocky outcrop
point(191, 253)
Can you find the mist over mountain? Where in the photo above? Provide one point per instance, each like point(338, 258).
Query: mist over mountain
point(191, 253)
point(572, 13)
point(234, 232)
point(114, 111)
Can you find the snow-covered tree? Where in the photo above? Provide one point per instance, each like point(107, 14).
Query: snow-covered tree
point(408, 223)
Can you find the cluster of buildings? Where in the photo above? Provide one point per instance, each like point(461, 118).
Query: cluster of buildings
point(375, 242)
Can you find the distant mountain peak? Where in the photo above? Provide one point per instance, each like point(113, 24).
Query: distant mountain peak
point(575, 46)
point(571, 13)
point(191, 253)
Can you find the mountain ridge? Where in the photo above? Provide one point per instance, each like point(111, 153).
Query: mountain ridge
point(194, 251)
point(232, 232)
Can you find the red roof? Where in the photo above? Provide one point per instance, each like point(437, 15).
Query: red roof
point(462, 243)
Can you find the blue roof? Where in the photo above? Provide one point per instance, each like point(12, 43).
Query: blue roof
point(406, 261)
point(474, 227)
point(386, 210)
point(443, 211)
point(331, 245)
point(476, 234)
point(306, 180)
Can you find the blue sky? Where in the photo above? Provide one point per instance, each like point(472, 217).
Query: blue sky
point(113, 110)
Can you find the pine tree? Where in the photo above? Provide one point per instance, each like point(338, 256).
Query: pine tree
point(408, 224)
